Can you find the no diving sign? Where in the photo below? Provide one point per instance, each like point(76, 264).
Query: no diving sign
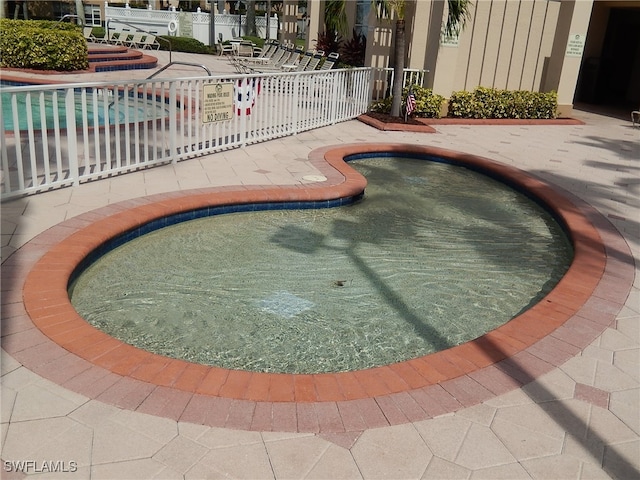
point(217, 102)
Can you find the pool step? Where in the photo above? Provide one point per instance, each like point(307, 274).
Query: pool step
point(108, 58)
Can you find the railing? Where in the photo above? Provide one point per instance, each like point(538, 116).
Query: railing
point(382, 81)
point(176, 62)
point(55, 136)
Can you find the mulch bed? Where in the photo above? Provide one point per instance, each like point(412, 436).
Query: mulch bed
point(387, 122)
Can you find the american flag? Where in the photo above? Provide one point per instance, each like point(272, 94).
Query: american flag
point(245, 92)
point(410, 104)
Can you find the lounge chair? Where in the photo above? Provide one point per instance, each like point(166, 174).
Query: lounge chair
point(125, 38)
point(149, 41)
point(330, 61)
point(134, 40)
point(304, 61)
point(88, 34)
point(264, 56)
point(314, 62)
point(112, 37)
point(289, 57)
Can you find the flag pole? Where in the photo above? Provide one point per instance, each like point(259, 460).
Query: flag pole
point(406, 115)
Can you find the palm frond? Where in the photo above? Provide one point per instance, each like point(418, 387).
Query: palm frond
point(457, 15)
point(335, 16)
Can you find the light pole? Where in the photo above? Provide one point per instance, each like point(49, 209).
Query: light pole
point(212, 26)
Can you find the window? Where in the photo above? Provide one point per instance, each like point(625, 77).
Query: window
point(362, 15)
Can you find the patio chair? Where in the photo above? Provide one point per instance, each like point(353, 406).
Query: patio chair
point(134, 40)
point(150, 42)
point(263, 55)
point(225, 48)
point(330, 61)
point(245, 49)
point(112, 37)
point(289, 56)
point(304, 61)
point(635, 117)
point(123, 38)
point(315, 61)
point(88, 35)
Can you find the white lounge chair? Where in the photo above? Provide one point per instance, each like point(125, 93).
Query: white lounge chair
point(134, 40)
point(88, 35)
point(150, 42)
point(330, 61)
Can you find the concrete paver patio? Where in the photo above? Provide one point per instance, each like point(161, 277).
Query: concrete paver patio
point(580, 420)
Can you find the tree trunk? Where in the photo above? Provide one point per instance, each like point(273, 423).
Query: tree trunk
point(79, 12)
point(251, 18)
point(268, 32)
point(398, 69)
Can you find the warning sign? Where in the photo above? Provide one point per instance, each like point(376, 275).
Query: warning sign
point(217, 102)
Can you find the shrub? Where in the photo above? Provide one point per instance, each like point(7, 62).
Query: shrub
point(428, 104)
point(328, 42)
point(352, 51)
point(257, 41)
point(493, 103)
point(184, 44)
point(99, 32)
point(42, 45)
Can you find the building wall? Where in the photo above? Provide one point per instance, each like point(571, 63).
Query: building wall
point(506, 44)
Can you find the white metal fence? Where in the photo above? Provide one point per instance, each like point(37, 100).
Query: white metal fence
point(382, 81)
point(54, 136)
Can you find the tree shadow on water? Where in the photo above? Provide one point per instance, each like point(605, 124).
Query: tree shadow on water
point(305, 241)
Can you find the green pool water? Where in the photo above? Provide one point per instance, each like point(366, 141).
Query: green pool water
point(433, 256)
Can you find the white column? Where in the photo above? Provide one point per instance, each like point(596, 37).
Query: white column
point(566, 54)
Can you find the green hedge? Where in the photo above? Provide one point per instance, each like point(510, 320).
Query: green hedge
point(428, 104)
point(42, 45)
point(481, 103)
point(184, 44)
point(191, 45)
point(493, 103)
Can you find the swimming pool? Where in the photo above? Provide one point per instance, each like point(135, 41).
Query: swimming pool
point(434, 256)
point(47, 109)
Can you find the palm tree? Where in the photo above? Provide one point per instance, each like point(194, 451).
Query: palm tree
point(457, 14)
point(250, 28)
point(80, 12)
point(335, 16)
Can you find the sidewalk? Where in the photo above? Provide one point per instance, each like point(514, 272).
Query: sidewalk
point(581, 420)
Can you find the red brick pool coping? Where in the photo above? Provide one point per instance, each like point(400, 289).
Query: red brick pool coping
point(41, 329)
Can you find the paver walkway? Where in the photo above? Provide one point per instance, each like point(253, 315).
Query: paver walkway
point(581, 420)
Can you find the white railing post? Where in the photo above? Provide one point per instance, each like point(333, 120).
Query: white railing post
point(173, 123)
point(72, 139)
point(294, 104)
point(243, 112)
